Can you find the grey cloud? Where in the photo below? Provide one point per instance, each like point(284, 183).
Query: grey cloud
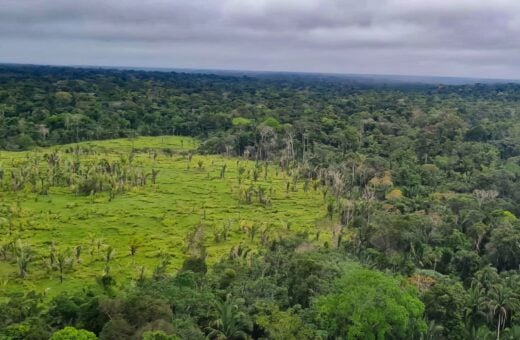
point(444, 37)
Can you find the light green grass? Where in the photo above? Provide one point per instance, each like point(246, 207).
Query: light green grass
point(159, 216)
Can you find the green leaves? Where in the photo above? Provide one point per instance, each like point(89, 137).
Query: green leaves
point(370, 305)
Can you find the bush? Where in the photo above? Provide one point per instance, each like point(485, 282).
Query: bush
point(71, 333)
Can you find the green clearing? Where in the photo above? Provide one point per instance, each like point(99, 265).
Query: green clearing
point(189, 192)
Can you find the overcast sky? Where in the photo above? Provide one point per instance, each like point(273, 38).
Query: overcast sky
point(475, 38)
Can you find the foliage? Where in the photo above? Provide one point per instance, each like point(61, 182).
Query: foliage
point(250, 225)
point(285, 324)
point(369, 305)
point(71, 333)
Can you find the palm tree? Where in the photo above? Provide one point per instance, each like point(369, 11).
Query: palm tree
point(23, 255)
point(154, 175)
point(476, 304)
point(78, 253)
point(433, 332)
point(99, 244)
point(140, 276)
point(133, 246)
point(63, 260)
point(160, 268)
point(223, 171)
point(109, 255)
point(92, 239)
point(501, 302)
point(229, 322)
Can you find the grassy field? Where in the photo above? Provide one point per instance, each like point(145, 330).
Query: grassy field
point(189, 192)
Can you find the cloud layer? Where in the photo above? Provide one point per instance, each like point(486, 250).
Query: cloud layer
point(423, 37)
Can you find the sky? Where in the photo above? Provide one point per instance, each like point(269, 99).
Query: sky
point(468, 38)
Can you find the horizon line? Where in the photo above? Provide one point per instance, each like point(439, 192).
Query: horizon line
point(246, 71)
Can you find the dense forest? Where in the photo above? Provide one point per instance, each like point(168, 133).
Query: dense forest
point(421, 185)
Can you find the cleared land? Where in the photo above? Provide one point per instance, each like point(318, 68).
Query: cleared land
point(190, 192)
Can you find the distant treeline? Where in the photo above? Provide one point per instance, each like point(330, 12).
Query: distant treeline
point(42, 105)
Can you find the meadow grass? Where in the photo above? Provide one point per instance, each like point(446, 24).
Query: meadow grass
point(189, 192)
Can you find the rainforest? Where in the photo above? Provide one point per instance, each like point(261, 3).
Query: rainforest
point(140, 204)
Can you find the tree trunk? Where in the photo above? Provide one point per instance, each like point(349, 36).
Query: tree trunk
point(498, 327)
